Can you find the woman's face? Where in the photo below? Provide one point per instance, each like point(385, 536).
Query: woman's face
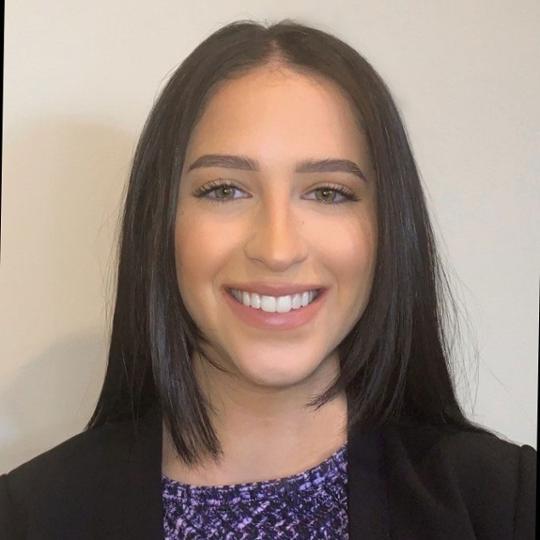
point(274, 225)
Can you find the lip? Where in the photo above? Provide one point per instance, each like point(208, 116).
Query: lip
point(258, 318)
point(274, 289)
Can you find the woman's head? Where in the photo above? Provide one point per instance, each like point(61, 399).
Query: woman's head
point(274, 225)
point(279, 96)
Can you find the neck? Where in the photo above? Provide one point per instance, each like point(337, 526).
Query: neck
point(265, 433)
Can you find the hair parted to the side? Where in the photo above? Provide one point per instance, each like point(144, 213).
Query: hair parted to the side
point(394, 362)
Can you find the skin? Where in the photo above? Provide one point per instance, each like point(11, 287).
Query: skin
point(274, 227)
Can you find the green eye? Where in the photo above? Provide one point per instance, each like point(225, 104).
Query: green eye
point(331, 190)
point(215, 187)
point(225, 188)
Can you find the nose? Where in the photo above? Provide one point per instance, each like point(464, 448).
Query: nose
point(276, 238)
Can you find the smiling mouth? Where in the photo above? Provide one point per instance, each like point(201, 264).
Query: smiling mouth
point(276, 304)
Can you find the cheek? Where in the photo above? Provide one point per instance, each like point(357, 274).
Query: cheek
point(199, 251)
point(349, 246)
point(350, 253)
point(188, 253)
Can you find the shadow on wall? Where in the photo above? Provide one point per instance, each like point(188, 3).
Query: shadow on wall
point(67, 179)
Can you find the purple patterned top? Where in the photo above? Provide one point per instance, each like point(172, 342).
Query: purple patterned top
point(308, 505)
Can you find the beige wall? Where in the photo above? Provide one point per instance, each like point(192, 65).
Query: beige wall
point(80, 78)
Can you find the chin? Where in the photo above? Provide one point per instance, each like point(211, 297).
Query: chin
point(288, 371)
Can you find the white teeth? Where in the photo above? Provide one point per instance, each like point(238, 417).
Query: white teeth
point(270, 304)
point(273, 304)
point(297, 301)
point(254, 301)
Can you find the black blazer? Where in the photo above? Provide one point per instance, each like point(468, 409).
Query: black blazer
point(407, 483)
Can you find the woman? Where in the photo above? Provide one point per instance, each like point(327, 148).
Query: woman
point(278, 367)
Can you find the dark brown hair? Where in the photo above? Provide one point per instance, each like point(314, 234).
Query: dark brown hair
point(395, 360)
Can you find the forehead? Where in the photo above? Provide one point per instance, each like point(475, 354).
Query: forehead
point(277, 115)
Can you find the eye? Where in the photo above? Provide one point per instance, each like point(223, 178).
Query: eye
point(226, 187)
point(216, 186)
point(346, 194)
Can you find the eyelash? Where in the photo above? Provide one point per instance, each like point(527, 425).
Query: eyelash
point(216, 184)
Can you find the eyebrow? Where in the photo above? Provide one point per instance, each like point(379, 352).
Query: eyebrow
point(306, 166)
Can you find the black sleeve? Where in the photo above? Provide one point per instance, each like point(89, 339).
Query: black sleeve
point(525, 516)
point(10, 525)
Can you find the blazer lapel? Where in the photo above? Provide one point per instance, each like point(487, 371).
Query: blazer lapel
point(368, 505)
point(425, 502)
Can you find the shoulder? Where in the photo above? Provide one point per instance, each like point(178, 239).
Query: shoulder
point(493, 479)
point(89, 448)
point(475, 460)
point(461, 448)
point(77, 465)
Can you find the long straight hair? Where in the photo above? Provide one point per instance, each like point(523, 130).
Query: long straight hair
point(394, 363)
